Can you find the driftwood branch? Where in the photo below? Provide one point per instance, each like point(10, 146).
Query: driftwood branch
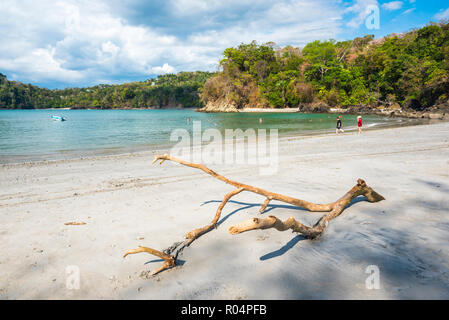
point(333, 210)
point(265, 204)
point(169, 259)
point(310, 232)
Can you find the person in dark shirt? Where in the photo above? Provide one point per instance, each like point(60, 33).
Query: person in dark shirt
point(339, 129)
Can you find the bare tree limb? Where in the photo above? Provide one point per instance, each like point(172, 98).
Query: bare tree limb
point(200, 231)
point(310, 232)
point(265, 204)
point(333, 210)
point(169, 260)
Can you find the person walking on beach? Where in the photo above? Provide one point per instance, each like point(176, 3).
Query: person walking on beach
point(339, 129)
point(359, 123)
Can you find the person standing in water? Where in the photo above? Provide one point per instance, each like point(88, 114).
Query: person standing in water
point(339, 129)
point(359, 123)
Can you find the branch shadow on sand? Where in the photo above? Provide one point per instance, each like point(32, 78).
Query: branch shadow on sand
point(179, 262)
point(247, 205)
point(284, 248)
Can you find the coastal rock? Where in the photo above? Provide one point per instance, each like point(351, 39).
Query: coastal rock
point(219, 106)
point(319, 107)
point(438, 116)
point(412, 115)
point(395, 106)
point(413, 104)
point(411, 109)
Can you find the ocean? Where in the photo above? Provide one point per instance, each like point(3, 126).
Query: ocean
point(32, 135)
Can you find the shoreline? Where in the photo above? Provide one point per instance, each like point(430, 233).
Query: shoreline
point(436, 112)
point(388, 113)
point(429, 113)
point(268, 110)
point(433, 115)
point(76, 108)
point(153, 148)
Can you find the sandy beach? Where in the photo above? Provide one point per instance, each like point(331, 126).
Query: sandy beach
point(277, 110)
point(126, 202)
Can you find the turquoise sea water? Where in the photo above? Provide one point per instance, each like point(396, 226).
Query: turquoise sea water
point(27, 135)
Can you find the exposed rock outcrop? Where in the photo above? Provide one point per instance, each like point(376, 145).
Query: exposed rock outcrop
point(219, 106)
point(411, 109)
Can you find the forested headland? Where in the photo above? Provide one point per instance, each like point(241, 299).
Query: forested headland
point(408, 71)
point(170, 90)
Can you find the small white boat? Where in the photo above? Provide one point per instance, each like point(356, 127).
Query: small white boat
point(58, 118)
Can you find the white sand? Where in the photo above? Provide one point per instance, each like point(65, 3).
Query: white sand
point(123, 198)
point(277, 110)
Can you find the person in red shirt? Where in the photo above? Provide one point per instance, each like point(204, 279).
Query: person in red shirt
point(359, 123)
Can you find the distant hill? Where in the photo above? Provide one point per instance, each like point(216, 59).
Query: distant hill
point(170, 90)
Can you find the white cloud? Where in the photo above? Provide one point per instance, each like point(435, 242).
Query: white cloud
point(41, 64)
point(408, 11)
point(81, 42)
point(76, 41)
point(442, 15)
point(109, 48)
point(393, 5)
point(195, 7)
point(166, 68)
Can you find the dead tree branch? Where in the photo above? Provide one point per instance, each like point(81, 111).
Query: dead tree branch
point(169, 259)
point(334, 209)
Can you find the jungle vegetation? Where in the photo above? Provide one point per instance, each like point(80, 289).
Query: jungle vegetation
point(411, 68)
point(170, 90)
point(399, 68)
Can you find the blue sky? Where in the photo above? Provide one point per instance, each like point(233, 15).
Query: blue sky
point(72, 43)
